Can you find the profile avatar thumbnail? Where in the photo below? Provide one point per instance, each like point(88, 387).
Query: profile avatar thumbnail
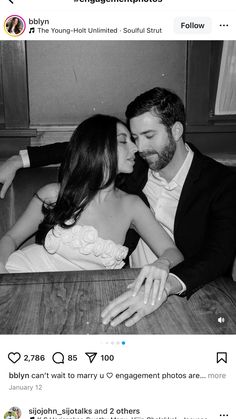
point(10, 415)
point(13, 413)
point(14, 25)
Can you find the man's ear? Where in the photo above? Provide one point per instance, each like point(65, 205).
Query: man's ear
point(177, 131)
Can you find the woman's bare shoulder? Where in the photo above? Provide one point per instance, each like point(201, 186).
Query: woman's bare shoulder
point(49, 193)
point(130, 200)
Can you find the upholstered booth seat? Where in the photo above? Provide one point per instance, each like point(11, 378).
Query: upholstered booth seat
point(25, 184)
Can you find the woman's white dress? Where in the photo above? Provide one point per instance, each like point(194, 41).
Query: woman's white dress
point(71, 249)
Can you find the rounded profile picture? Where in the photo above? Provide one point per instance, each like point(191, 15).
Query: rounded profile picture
point(14, 25)
point(16, 410)
point(10, 414)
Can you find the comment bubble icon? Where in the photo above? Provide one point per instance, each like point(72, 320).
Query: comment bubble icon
point(58, 358)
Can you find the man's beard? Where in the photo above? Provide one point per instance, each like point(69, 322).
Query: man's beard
point(158, 160)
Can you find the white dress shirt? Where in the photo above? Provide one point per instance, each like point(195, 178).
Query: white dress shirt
point(25, 158)
point(163, 198)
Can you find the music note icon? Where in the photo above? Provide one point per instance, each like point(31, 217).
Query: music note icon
point(32, 30)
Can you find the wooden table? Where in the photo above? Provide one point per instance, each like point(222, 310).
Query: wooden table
point(71, 303)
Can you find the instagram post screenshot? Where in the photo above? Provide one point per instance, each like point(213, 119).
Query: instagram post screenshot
point(117, 209)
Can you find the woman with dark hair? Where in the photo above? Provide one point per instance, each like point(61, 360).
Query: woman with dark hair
point(82, 221)
point(14, 26)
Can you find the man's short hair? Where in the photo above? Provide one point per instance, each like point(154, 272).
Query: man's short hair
point(164, 103)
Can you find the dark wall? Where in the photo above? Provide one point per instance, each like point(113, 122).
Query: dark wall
point(73, 79)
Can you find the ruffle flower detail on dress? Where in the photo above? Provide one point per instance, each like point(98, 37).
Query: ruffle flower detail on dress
point(85, 239)
point(52, 240)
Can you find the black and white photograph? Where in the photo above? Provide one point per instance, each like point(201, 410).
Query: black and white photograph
point(118, 187)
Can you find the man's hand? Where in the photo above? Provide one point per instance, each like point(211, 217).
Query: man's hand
point(130, 309)
point(7, 173)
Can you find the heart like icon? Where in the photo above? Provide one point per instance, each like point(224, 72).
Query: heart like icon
point(14, 357)
point(109, 374)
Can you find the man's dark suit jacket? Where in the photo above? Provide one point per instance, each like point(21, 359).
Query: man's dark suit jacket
point(205, 221)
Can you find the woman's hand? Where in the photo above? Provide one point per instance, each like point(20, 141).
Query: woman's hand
point(155, 277)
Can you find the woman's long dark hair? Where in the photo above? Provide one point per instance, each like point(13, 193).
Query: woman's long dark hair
point(90, 165)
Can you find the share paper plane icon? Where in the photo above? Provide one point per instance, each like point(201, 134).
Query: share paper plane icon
point(91, 356)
